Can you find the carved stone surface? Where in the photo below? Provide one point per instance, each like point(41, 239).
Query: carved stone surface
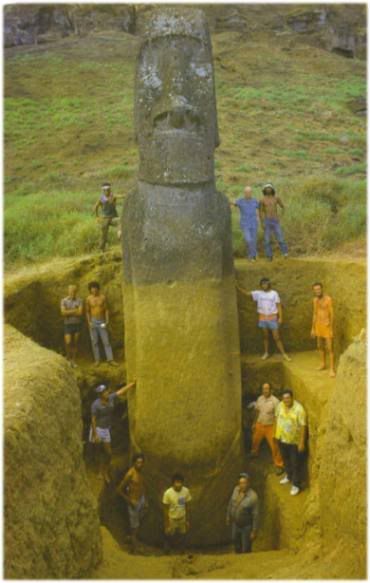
point(182, 339)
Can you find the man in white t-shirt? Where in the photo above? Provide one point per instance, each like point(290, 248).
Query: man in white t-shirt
point(176, 511)
point(270, 315)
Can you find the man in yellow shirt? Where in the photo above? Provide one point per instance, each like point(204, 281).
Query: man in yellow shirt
point(291, 424)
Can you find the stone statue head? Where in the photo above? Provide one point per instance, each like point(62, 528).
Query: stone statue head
point(175, 105)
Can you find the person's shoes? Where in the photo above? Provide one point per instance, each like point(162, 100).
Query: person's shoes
point(113, 363)
point(265, 356)
point(97, 363)
point(286, 357)
point(279, 471)
point(286, 255)
point(253, 259)
point(294, 491)
point(73, 365)
point(284, 480)
point(332, 374)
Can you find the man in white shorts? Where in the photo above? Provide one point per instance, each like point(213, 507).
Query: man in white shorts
point(270, 315)
point(101, 421)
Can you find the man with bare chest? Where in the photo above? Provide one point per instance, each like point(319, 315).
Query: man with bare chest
point(270, 219)
point(97, 315)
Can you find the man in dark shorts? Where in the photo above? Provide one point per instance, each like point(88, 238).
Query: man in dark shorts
point(132, 489)
point(270, 220)
point(101, 421)
point(109, 215)
point(71, 309)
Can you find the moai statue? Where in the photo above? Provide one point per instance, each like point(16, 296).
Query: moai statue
point(181, 325)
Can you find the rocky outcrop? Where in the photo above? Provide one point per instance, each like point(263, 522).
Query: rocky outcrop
point(51, 520)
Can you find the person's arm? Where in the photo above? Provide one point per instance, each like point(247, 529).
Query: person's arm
point(122, 487)
point(93, 429)
point(187, 516)
point(255, 415)
point(123, 390)
point(106, 311)
point(261, 210)
point(228, 510)
point(280, 313)
point(88, 312)
point(314, 312)
point(280, 203)
point(166, 517)
point(255, 519)
point(243, 291)
point(96, 208)
point(69, 311)
point(331, 313)
point(302, 420)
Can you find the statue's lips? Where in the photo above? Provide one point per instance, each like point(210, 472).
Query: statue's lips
point(177, 119)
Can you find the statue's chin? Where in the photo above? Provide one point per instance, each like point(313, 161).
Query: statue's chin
point(176, 157)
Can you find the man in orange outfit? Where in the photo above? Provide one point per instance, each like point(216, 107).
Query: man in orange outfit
point(322, 326)
point(264, 426)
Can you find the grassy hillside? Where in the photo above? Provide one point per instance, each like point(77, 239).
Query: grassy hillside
point(284, 116)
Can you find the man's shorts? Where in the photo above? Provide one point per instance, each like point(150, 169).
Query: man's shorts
point(72, 329)
point(135, 513)
point(177, 525)
point(103, 434)
point(268, 324)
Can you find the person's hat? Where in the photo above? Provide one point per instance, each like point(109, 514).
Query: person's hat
point(100, 388)
point(244, 475)
point(268, 185)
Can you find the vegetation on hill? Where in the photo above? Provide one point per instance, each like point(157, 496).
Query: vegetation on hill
point(284, 113)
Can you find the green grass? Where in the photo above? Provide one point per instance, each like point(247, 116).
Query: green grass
point(68, 126)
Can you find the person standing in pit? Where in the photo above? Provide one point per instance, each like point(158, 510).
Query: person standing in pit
point(291, 427)
point(71, 309)
point(176, 512)
point(248, 208)
point(270, 315)
point(109, 216)
point(101, 421)
point(132, 490)
point(322, 326)
point(242, 514)
point(270, 220)
point(97, 315)
point(264, 426)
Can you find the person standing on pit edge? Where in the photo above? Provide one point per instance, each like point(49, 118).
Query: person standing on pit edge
point(97, 315)
point(176, 512)
point(270, 220)
point(109, 216)
point(264, 426)
point(71, 309)
point(132, 490)
point(242, 514)
point(270, 315)
point(322, 326)
point(101, 421)
point(248, 208)
point(291, 427)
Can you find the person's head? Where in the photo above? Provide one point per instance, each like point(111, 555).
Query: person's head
point(265, 284)
point(247, 192)
point(268, 190)
point(244, 482)
point(103, 392)
point(318, 290)
point(138, 461)
point(177, 481)
point(94, 288)
point(106, 188)
point(288, 398)
point(72, 291)
point(266, 390)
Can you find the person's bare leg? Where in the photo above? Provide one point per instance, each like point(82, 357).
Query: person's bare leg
point(106, 463)
point(279, 344)
point(265, 343)
point(329, 346)
point(74, 346)
point(321, 349)
point(68, 345)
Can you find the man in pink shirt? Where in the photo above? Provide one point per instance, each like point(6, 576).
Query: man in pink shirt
point(264, 425)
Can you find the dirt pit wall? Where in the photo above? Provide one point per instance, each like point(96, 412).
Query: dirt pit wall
point(51, 524)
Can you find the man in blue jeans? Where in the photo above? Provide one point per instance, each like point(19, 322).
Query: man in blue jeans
point(248, 208)
point(269, 218)
point(97, 315)
point(242, 514)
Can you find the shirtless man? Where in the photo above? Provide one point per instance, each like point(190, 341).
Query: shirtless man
point(71, 309)
point(109, 216)
point(322, 326)
point(98, 319)
point(269, 218)
point(132, 490)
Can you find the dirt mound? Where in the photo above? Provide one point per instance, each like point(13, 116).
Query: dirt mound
point(51, 521)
